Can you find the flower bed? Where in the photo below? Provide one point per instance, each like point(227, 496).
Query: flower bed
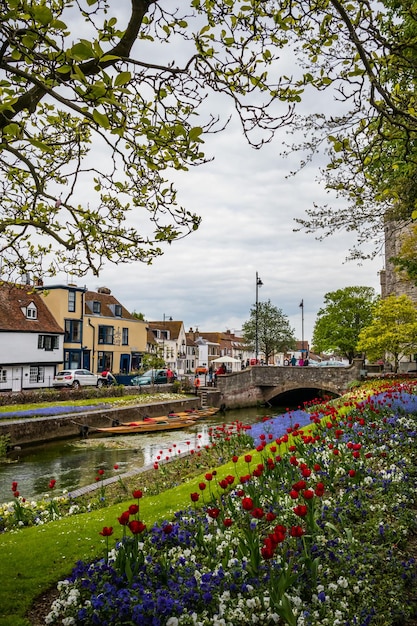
point(310, 529)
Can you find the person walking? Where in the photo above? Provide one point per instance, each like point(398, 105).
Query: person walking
point(196, 384)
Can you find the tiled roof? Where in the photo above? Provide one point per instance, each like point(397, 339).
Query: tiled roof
point(173, 327)
point(106, 300)
point(14, 298)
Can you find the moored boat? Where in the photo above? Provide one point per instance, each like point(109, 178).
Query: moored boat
point(146, 426)
point(199, 413)
point(192, 414)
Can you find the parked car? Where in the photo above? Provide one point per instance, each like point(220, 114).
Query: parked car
point(77, 378)
point(332, 363)
point(201, 370)
point(151, 377)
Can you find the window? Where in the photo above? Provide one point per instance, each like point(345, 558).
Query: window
point(96, 306)
point(72, 359)
point(3, 375)
point(105, 361)
point(105, 334)
point(125, 336)
point(31, 312)
point(71, 301)
point(37, 374)
point(72, 331)
point(118, 310)
point(48, 342)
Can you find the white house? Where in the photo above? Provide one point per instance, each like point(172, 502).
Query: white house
point(171, 340)
point(31, 341)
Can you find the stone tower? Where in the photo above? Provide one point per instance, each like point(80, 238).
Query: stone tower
point(394, 283)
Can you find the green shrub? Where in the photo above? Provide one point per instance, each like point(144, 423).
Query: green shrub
point(4, 445)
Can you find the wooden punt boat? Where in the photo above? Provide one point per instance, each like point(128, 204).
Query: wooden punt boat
point(145, 427)
point(199, 413)
point(192, 414)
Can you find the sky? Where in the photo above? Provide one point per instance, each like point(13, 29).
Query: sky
point(248, 205)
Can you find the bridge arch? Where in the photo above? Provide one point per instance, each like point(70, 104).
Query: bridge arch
point(260, 384)
point(295, 393)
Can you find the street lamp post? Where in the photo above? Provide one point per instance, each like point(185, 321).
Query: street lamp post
point(163, 337)
point(302, 327)
point(259, 283)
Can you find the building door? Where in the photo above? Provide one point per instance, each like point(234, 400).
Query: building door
point(86, 359)
point(124, 363)
point(17, 379)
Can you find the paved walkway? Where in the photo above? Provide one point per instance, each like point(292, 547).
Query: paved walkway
point(114, 479)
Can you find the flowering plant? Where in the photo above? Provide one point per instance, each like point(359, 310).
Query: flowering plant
point(310, 530)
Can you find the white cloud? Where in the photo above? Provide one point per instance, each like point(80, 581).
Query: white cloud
point(248, 206)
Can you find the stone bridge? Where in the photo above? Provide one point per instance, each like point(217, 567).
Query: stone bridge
point(261, 385)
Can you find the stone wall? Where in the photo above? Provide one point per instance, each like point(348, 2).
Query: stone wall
point(41, 429)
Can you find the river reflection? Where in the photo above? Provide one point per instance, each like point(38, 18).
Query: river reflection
point(74, 463)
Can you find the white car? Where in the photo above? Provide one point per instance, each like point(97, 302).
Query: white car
point(76, 379)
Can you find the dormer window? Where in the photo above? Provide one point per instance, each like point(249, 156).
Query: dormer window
point(96, 306)
point(31, 312)
point(118, 310)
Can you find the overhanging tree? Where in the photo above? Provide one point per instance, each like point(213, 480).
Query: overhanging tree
point(76, 81)
point(344, 314)
point(274, 331)
point(98, 108)
point(392, 333)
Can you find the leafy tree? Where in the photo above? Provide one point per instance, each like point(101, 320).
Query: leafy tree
point(345, 313)
point(406, 262)
point(393, 330)
point(274, 331)
point(373, 152)
point(76, 81)
point(151, 361)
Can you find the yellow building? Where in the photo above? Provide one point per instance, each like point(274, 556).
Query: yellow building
point(100, 333)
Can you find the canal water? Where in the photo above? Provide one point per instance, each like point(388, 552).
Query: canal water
point(74, 463)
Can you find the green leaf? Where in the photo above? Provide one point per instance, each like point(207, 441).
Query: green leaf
point(109, 57)
point(41, 145)
point(42, 14)
point(195, 133)
point(122, 79)
point(81, 51)
point(101, 119)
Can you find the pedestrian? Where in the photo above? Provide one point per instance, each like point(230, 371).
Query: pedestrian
point(108, 378)
point(196, 384)
point(293, 361)
point(170, 375)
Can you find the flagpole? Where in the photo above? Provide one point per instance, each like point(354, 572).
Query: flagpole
point(302, 326)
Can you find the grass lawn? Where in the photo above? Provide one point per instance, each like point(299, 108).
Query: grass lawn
point(33, 559)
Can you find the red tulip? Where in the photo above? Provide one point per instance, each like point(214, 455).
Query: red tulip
point(136, 527)
point(124, 518)
point(247, 504)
